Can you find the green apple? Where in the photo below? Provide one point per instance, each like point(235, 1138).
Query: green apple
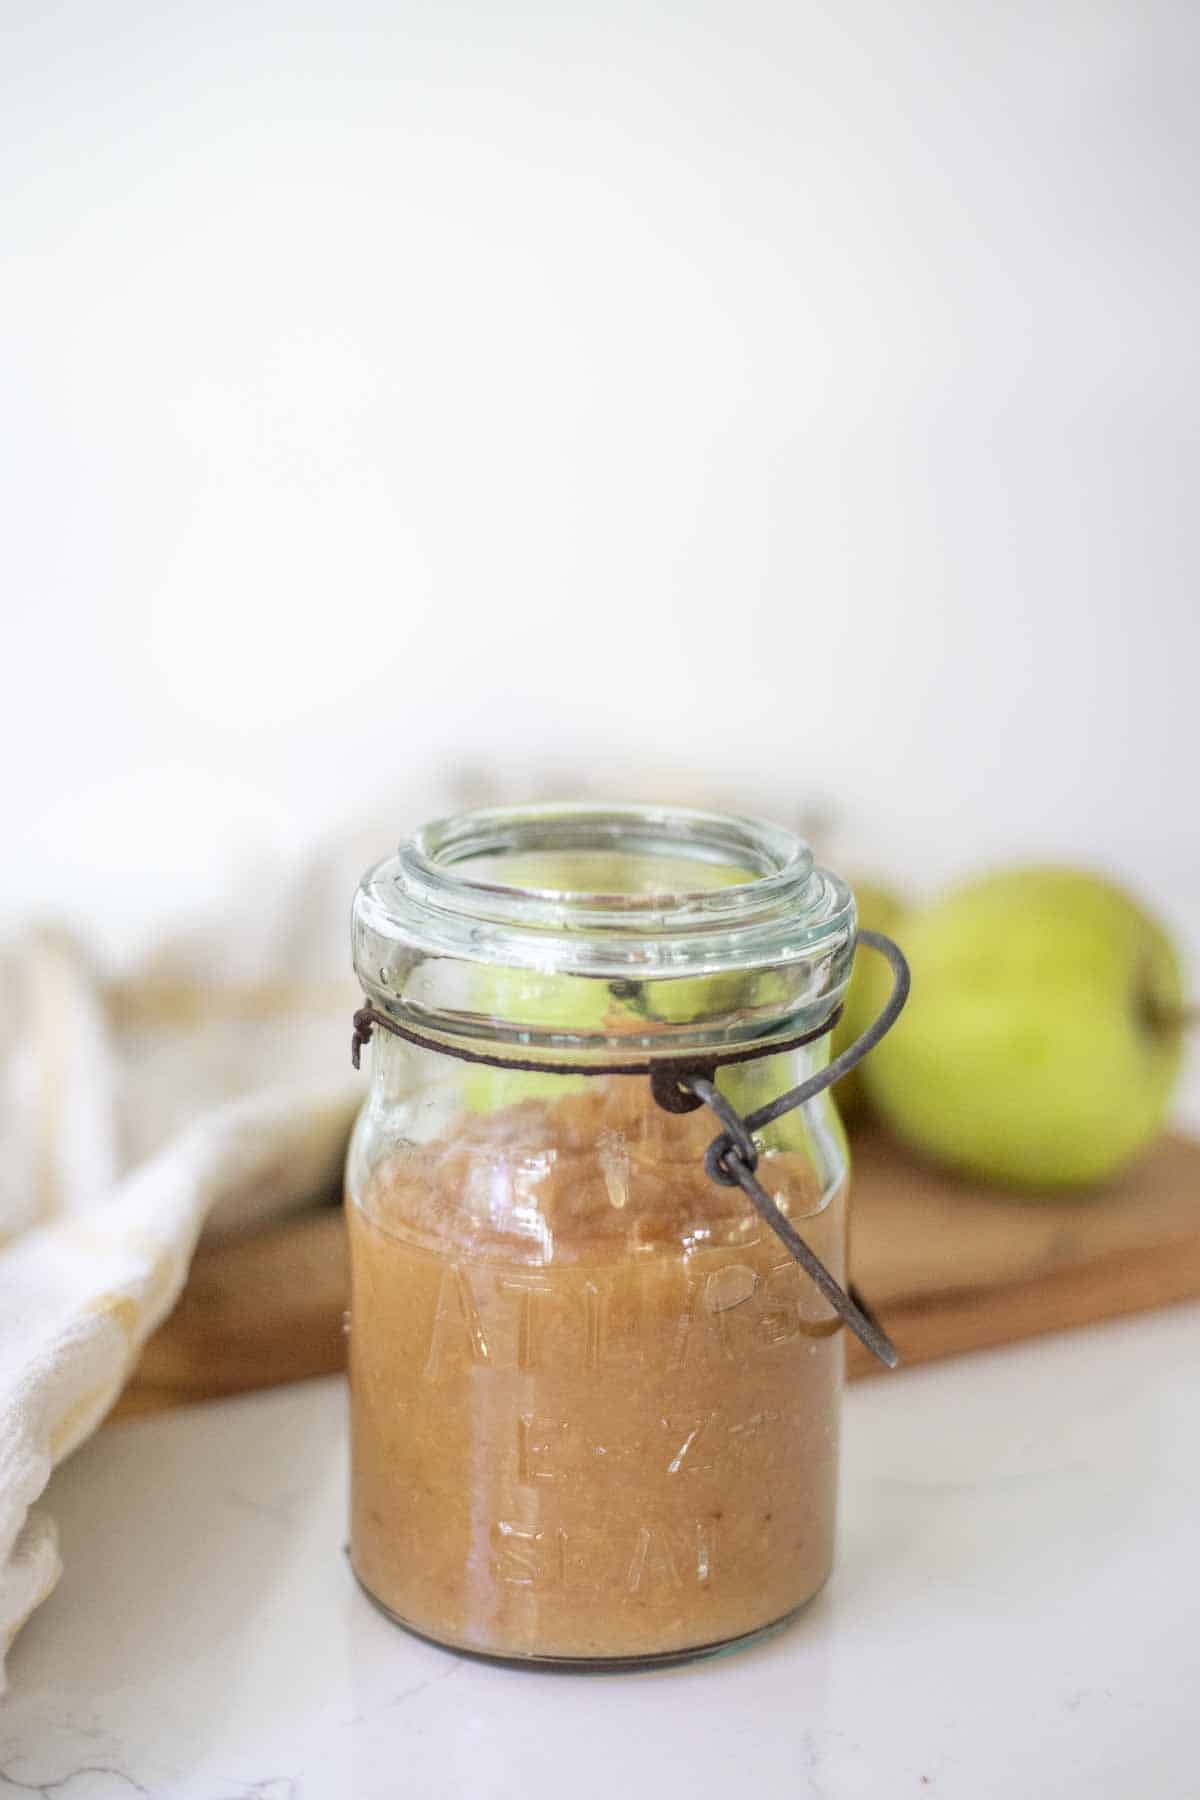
point(1042, 1040)
point(879, 909)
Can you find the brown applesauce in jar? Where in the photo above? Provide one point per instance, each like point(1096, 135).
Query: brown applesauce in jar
point(594, 1399)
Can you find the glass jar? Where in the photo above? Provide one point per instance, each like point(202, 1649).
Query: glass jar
point(594, 1401)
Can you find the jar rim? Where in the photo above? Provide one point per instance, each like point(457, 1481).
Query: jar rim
point(441, 904)
point(432, 862)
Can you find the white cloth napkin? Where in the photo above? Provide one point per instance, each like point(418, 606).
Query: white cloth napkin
point(207, 1089)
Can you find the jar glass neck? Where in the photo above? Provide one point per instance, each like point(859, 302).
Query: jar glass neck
point(586, 930)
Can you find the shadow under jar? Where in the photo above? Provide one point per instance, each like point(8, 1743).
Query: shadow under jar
point(594, 1401)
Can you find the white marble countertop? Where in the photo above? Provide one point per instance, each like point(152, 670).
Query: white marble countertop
point(1014, 1614)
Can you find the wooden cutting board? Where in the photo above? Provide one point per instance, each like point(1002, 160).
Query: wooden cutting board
point(948, 1266)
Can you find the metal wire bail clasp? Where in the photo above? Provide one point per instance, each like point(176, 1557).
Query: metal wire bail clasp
point(732, 1158)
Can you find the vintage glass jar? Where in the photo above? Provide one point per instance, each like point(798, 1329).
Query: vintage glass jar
point(594, 1399)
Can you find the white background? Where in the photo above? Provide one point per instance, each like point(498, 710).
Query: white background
point(802, 396)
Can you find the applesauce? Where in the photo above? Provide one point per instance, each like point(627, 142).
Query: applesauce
point(594, 1400)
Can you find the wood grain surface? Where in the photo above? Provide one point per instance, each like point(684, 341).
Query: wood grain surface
point(948, 1266)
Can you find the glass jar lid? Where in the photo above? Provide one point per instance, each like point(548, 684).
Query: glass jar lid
point(589, 931)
